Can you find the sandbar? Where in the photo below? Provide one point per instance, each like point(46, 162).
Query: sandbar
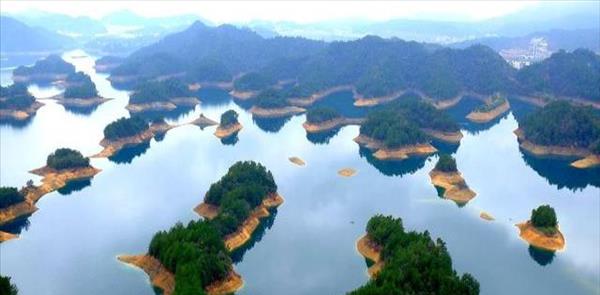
point(297, 161)
point(229, 130)
point(454, 186)
point(484, 117)
point(276, 112)
point(538, 239)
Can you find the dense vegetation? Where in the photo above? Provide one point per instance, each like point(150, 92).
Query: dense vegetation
point(229, 117)
point(562, 124)
point(15, 97)
point(392, 128)
point(446, 163)
point(243, 188)
point(125, 127)
point(321, 114)
point(544, 219)
point(253, 82)
point(195, 253)
point(65, 158)
point(80, 85)
point(10, 196)
point(413, 263)
point(575, 74)
point(209, 70)
point(423, 114)
point(159, 91)
point(271, 99)
point(109, 59)
point(6, 288)
point(53, 64)
point(495, 101)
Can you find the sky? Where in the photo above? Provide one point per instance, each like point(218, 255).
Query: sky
point(295, 11)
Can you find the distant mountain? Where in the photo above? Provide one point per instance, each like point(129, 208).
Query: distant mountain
point(79, 26)
point(16, 36)
point(128, 18)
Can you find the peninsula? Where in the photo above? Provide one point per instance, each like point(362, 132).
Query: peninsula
point(494, 107)
point(542, 229)
point(126, 132)
point(271, 103)
point(446, 178)
point(16, 103)
point(323, 119)
point(229, 125)
point(164, 95)
point(249, 85)
point(80, 92)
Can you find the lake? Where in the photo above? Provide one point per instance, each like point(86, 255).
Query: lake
point(69, 246)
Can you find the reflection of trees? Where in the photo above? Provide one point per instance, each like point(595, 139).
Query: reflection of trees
point(18, 124)
point(81, 110)
point(541, 256)
point(127, 154)
point(557, 171)
point(393, 168)
point(322, 137)
point(271, 125)
point(265, 223)
point(213, 97)
point(74, 186)
point(16, 226)
point(231, 139)
point(174, 114)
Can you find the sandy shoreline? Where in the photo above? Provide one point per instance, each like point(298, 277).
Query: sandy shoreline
point(484, 117)
point(111, 147)
point(159, 276)
point(20, 115)
point(276, 113)
point(330, 124)
point(4, 236)
point(203, 122)
point(40, 77)
point(538, 239)
point(371, 251)
point(454, 185)
point(297, 161)
point(347, 172)
point(168, 105)
point(450, 137)
point(226, 131)
point(307, 101)
point(360, 101)
point(401, 153)
point(243, 95)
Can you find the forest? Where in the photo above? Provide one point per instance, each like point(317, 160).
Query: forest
point(152, 91)
point(446, 163)
point(562, 124)
point(53, 64)
point(80, 85)
point(544, 219)
point(228, 118)
point(239, 191)
point(10, 196)
point(423, 114)
point(253, 82)
point(271, 99)
point(413, 263)
point(15, 97)
point(392, 128)
point(321, 114)
point(125, 127)
point(6, 287)
point(495, 101)
point(65, 158)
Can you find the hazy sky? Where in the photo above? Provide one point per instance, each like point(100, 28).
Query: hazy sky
point(306, 11)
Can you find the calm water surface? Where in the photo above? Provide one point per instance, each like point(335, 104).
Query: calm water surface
point(69, 246)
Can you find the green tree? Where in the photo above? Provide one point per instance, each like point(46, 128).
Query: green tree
point(229, 117)
point(6, 287)
point(10, 196)
point(544, 218)
point(446, 163)
point(65, 158)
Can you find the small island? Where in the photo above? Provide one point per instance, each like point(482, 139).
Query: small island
point(107, 63)
point(271, 103)
point(409, 261)
point(323, 119)
point(197, 257)
point(80, 92)
point(304, 96)
point(249, 85)
point(449, 182)
point(203, 122)
point(126, 132)
point(562, 129)
point(165, 95)
point(347, 172)
point(541, 230)
point(494, 106)
point(51, 69)
point(13, 204)
point(16, 103)
point(229, 125)
point(296, 160)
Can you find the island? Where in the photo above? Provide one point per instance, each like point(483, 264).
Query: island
point(126, 132)
point(562, 129)
point(249, 85)
point(296, 160)
point(541, 230)
point(392, 136)
point(62, 166)
point(494, 107)
point(449, 182)
point(197, 257)
point(203, 122)
point(321, 119)
point(51, 69)
point(80, 92)
point(107, 63)
point(271, 103)
point(229, 125)
point(164, 95)
point(16, 103)
point(409, 261)
point(347, 172)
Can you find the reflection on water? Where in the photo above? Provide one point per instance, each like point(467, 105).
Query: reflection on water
point(541, 256)
point(18, 124)
point(558, 171)
point(272, 125)
point(16, 226)
point(213, 97)
point(343, 102)
point(393, 168)
point(174, 114)
point(74, 186)
point(231, 139)
point(460, 111)
point(322, 137)
point(127, 154)
point(265, 223)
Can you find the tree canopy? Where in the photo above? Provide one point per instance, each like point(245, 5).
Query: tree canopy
point(65, 158)
point(423, 114)
point(6, 287)
point(80, 85)
point(53, 64)
point(413, 263)
point(271, 99)
point(125, 127)
point(253, 81)
point(152, 91)
point(15, 97)
point(10, 196)
point(392, 128)
point(446, 163)
point(544, 219)
point(321, 114)
point(229, 117)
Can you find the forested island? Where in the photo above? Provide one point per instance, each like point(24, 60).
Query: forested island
point(126, 132)
point(542, 229)
point(562, 129)
point(250, 84)
point(80, 92)
point(162, 95)
point(196, 259)
point(493, 107)
point(449, 182)
point(107, 63)
point(52, 68)
point(320, 119)
point(409, 262)
point(271, 103)
point(229, 124)
point(16, 103)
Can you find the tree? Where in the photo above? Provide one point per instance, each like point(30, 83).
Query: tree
point(125, 127)
point(321, 114)
point(10, 196)
point(230, 117)
point(544, 218)
point(65, 158)
point(446, 163)
point(6, 287)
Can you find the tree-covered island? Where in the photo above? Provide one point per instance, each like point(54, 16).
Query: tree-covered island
point(541, 230)
point(409, 262)
point(52, 68)
point(321, 119)
point(493, 107)
point(162, 95)
point(229, 124)
point(449, 181)
point(16, 103)
point(272, 103)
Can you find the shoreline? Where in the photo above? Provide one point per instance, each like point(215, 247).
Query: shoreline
point(400, 153)
point(309, 100)
point(207, 84)
point(276, 112)
point(587, 158)
point(297, 161)
point(361, 101)
point(159, 276)
point(226, 131)
point(535, 238)
point(79, 102)
point(20, 115)
point(167, 105)
point(590, 161)
point(484, 117)
point(449, 137)
point(45, 77)
point(6, 236)
point(203, 122)
point(243, 95)
point(330, 124)
point(371, 251)
point(454, 186)
point(111, 147)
